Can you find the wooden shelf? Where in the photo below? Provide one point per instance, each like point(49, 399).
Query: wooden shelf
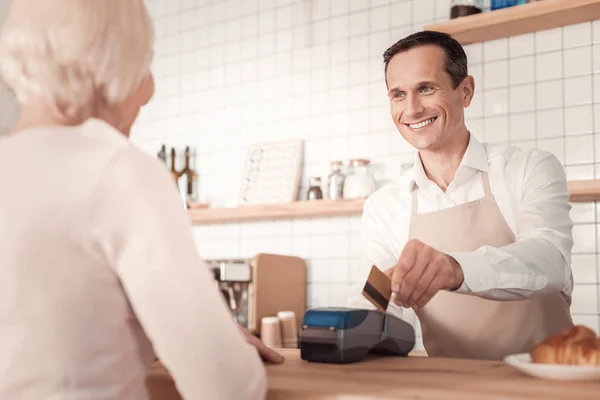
point(580, 191)
point(584, 191)
point(518, 20)
point(299, 209)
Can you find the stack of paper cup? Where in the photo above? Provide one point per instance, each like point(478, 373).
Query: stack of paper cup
point(270, 332)
point(289, 328)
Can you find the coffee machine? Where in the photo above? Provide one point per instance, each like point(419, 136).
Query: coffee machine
point(233, 279)
point(261, 287)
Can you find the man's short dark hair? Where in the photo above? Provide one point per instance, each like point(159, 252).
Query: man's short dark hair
point(456, 58)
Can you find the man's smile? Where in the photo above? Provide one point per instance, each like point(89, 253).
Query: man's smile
point(421, 124)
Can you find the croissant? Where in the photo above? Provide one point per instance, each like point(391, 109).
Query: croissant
point(576, 345)
point(584, 352)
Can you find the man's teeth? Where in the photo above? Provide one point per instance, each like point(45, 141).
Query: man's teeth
point(422, 123)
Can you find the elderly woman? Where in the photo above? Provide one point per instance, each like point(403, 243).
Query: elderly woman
point(98, 270)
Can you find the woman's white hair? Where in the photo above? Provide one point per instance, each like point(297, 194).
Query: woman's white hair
point(69, 52)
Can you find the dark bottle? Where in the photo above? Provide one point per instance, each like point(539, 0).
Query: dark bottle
point(162, 154)
point(174, 172)
point(314, 191)
point(191, 179)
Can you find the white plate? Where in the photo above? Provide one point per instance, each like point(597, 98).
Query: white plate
point(523, 363)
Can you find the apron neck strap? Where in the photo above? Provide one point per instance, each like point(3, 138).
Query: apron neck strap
point(413, 208)
point(485, 180)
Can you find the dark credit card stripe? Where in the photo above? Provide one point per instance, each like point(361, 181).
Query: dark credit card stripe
point(376, 295)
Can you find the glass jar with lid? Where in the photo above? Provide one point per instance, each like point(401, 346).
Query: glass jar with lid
point(462, 8)
point(359, 183)
point(335, 181)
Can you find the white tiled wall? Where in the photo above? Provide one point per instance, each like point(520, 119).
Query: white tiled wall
point(234, 72)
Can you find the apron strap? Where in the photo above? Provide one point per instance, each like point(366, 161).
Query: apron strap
point(414, 206)
point(486, 183)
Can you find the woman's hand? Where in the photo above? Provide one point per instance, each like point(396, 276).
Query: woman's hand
point(266, 353)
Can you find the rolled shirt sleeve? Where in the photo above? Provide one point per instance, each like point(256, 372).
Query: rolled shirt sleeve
point(539, 260)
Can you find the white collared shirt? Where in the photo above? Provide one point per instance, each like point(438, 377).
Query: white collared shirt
point(530, 188)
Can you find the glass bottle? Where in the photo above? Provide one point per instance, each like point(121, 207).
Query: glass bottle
point(174, 172)
point(335, 181)
point(462, 8)
point(359, 183)
point(188, 179)
point(193, 191)
point(314, 191)
point(162, 154)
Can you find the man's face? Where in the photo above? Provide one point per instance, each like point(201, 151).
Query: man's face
point(426, 109)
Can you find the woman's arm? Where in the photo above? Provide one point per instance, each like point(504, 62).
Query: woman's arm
point(146, 236)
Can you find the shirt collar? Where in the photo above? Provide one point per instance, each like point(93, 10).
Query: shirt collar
point(475, 157)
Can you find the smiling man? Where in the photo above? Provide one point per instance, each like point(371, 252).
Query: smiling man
point(475, 238)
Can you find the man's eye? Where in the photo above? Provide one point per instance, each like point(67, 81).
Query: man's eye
point(426, 89)
point(398, 95)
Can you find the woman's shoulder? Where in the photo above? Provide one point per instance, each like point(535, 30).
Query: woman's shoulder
point(101, 133)
point(102, 153)
point(102, 136)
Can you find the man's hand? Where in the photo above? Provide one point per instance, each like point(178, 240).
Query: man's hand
point(421, 272)
point(266, 353)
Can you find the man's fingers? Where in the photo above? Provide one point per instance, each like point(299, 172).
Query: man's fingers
point(434, 287)
point(405, 263)
point(422, 284)
point(412, 278)
point(422, 258)
point(434, 267)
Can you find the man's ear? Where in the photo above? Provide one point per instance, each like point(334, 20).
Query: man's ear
point(467, 90)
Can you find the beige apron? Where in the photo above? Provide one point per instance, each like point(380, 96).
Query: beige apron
point(467, 326)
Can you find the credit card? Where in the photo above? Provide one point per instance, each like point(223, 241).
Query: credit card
point(378, 289)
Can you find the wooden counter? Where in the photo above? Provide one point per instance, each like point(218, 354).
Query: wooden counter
point(412, 378)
